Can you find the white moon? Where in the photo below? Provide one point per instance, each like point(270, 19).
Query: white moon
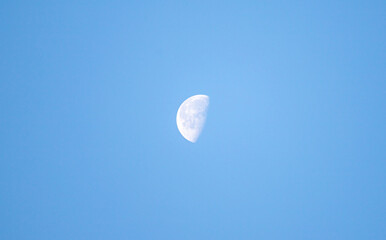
point(191, 116)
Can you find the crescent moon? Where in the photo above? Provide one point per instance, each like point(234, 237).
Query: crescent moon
point(191, 117)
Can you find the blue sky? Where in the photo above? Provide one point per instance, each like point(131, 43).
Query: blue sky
point(294, 144)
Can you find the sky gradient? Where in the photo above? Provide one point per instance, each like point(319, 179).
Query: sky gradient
point(294, 146)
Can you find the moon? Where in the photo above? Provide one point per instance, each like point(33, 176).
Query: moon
point(191, 117)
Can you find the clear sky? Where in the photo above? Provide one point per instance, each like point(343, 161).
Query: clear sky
point(295, 141)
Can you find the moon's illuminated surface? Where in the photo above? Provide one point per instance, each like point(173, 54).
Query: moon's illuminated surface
point(191, 116)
